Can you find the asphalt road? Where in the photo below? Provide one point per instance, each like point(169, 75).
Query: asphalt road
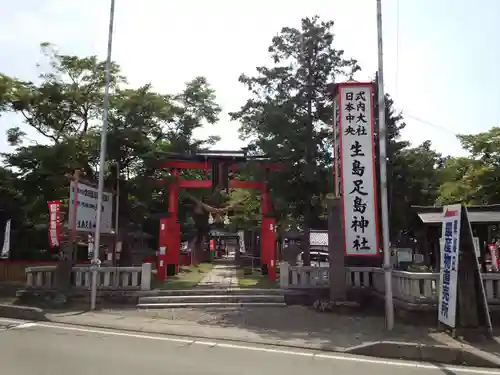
point(51, 349)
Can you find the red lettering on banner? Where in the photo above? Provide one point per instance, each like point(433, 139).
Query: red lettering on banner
point(54, 223)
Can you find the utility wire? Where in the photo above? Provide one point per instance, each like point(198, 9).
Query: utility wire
point(429, 123)
point(396, 83)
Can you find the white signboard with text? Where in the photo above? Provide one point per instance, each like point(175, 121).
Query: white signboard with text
point(86, 213)
point(450, 244)
point(357, 153)
point(404, 255)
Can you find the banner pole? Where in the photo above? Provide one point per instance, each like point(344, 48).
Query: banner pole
point(76, 177)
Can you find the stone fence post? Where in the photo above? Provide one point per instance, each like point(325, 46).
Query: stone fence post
point(146, 276)
point(284, 275)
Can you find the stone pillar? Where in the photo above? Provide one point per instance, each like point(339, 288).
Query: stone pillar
point(146, 276)
point(336, 249)
point(283, 275)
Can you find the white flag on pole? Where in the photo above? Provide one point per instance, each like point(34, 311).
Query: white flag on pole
point(6, 242)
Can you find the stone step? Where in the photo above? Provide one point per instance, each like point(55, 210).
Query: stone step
point(221, 305)
point(218, 298)
point(215, 291)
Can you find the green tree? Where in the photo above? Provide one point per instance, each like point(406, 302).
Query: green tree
point(484, 172)
point(65, 106)
point(414, 180)
point(412, 172)
point(460, 181)
point(68, 100)
point(289, 114)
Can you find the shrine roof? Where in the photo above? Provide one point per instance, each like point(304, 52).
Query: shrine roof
point(477, 214)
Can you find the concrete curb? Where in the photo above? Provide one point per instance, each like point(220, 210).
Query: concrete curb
point(206, 337)
point(462, 355)
point(22, 312)
point(378, 349)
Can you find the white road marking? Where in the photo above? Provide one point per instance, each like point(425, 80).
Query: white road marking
point(337, 357)
point(207, 343)
point(25, 325)
point(20, 323)
point(11, 321)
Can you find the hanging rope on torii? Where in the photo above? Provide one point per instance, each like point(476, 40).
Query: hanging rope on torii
point(216, 212)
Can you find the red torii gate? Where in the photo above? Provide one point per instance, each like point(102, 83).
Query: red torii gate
point(169, 238)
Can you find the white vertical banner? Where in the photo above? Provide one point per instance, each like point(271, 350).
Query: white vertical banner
point(241, 235)
point(6, 242)
point(357, 154)
point(450, 244)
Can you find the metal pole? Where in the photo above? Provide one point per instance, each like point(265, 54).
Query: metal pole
point(117, 220)
point(74, 255)
point(102, 159)
point(117, 211)
point(309, 146)
point(389, 307)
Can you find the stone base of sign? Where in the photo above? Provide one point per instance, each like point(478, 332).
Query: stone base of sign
point(336, 250)
point(63, 269)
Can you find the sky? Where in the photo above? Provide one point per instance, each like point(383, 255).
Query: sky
point(440, 56)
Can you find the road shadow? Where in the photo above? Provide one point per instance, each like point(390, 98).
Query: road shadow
point(9, 289)
point(483, 341)
point(300, 324)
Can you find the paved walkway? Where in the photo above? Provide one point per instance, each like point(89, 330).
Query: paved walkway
point(222, 276)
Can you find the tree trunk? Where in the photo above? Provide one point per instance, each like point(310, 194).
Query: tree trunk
point(198, 250)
